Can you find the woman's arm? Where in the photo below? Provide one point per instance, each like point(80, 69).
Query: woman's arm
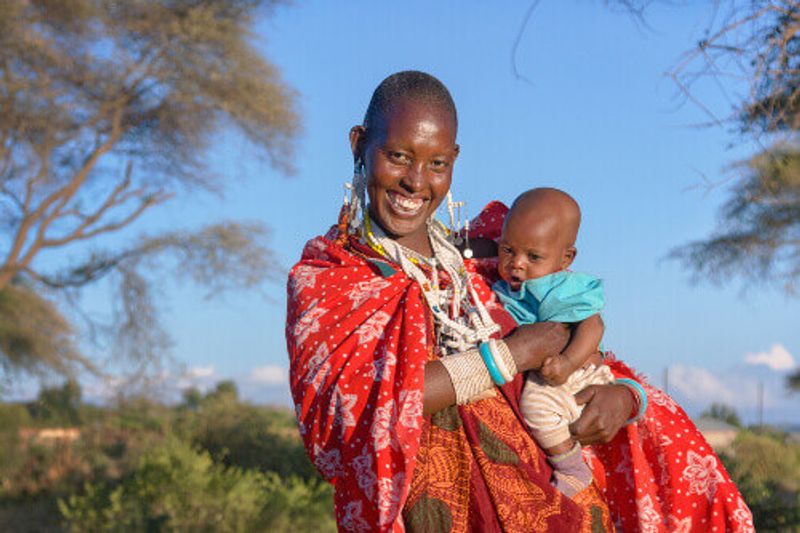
point(529, 345)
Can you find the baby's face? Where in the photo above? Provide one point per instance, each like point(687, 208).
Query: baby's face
point(531, 249)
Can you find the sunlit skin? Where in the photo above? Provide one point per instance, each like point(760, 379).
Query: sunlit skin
point(538, 236)
point(408, 159)
point(410, 155)
point(531, 247)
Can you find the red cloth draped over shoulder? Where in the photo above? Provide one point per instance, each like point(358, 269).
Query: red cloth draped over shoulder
point(658, 474)
point(359, 334)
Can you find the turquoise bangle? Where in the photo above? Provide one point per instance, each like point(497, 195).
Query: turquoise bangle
point(633, 385)
point(491, 366)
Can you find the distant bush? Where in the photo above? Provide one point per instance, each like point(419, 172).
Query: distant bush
point(175, 488)
point(766, 468)
point(249, 436)
point(12, 418)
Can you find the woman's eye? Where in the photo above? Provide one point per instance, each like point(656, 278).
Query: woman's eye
point(439, 165)
point(398, 157)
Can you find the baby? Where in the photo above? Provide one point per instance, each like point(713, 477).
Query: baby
point(536, 247)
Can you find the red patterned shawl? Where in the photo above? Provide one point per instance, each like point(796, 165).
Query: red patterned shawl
point(359, 334)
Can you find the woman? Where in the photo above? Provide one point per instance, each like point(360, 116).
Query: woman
point(411, 439)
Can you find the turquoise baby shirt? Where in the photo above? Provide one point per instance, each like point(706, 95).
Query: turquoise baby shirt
point(559, 297)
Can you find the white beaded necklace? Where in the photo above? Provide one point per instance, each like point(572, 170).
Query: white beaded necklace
point(456, 331)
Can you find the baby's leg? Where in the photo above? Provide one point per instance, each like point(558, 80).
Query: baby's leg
point(549, 410)
point(571, 474)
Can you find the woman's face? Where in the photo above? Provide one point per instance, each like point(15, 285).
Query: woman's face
point(408, 159)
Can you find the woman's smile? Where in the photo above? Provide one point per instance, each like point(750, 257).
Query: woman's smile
point(404, 205)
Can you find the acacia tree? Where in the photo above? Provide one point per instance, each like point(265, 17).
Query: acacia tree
point(793, 381)
point(107, 109)
point(754, 44)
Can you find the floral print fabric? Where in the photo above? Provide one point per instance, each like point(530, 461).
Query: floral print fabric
point(359, 334)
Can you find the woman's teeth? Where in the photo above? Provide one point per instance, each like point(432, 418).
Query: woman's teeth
point(405, 204)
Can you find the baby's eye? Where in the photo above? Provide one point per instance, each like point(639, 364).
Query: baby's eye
point(506, 250)
point(534, 257)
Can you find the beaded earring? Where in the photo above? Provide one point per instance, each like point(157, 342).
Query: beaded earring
point(457, 224)
point(354, 202)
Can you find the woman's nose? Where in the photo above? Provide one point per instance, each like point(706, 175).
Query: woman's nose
point(414, 179)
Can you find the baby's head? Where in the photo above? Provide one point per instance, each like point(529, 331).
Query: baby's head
point(538, 235)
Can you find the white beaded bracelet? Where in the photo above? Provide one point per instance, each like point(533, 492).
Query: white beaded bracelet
point(468, 372)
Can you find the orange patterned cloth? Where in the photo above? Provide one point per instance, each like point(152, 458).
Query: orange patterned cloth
point(359, 335)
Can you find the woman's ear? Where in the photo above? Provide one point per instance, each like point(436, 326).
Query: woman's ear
point(358, 136)
point(569, 256)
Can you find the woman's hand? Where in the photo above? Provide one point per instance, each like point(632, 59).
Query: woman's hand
point(531, 344)
point(607, 407)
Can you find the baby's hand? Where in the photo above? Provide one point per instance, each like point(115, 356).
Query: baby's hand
point(556, 369)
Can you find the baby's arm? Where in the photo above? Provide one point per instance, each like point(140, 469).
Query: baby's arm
point(584, 343)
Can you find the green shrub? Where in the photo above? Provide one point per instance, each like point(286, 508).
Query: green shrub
point(248, 436)
point(175, 488)
point(766, 468)
point(12, 418)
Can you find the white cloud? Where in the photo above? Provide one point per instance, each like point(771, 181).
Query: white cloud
point(269, 375)
point(700, 385)
point(200, 372)
point(102, 389)
point(777, 358)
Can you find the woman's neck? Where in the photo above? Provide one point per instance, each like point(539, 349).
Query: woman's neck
point(420, 244)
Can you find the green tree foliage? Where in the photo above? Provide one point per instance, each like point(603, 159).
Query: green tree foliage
point(107, 109)
point(766, 468)
point(141, 465)
point(250, 437)
point(192, 398)
point(759, 231)
point(794, 381)
point(726, 413)
point(224, 391)
point(758, 236)
point(58, 405)
point(33, 332)
point(175, 488)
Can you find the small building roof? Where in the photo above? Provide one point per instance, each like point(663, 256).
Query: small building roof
point(706, 424)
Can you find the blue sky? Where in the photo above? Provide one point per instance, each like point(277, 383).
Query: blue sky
point(594, 115)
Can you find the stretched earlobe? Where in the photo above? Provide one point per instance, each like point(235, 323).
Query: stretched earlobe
point(358, 135)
